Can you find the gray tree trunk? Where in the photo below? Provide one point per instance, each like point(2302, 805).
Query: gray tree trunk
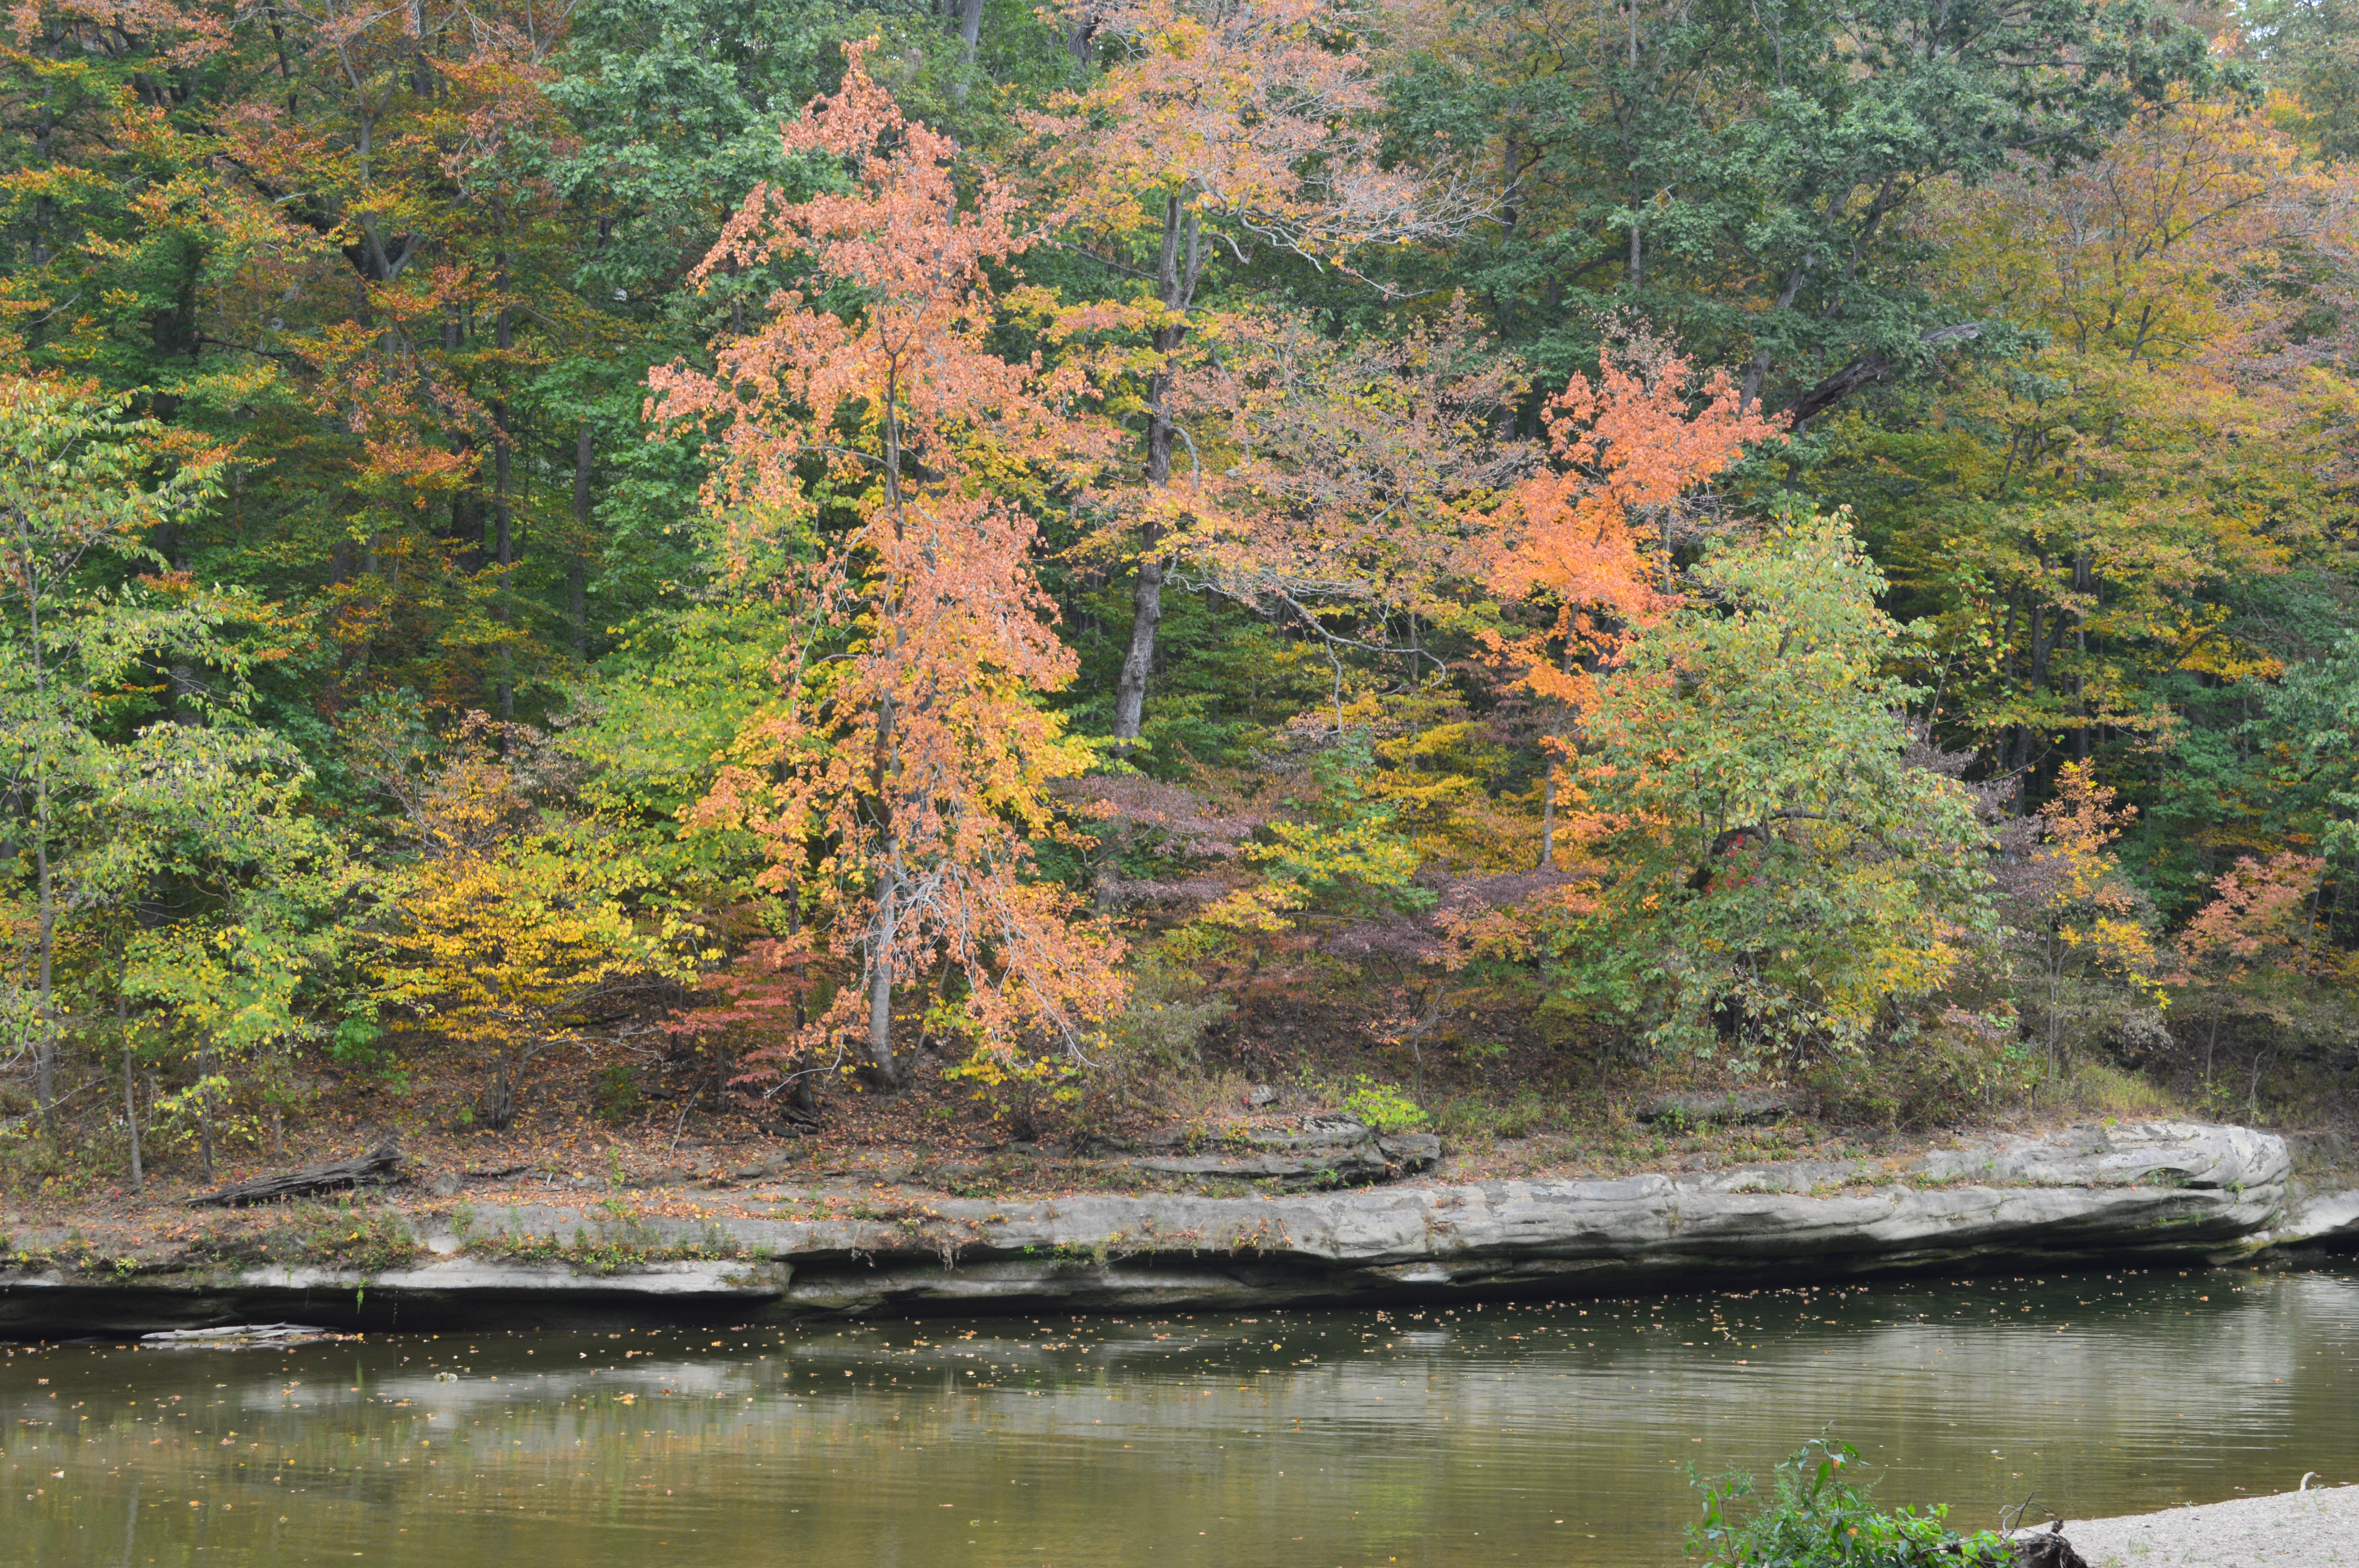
point(1180, 266)
point(970, 36)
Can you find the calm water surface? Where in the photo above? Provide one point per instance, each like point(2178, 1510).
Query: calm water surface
point(1554, 1434)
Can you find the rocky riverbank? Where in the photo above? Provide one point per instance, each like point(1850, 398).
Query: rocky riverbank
point(2315, 1528)
point(2092, 1194)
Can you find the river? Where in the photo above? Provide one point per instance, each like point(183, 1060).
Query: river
point(1560, 1434)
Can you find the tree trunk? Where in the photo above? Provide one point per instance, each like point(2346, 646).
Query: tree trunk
point(204, 1104)
point(1146, 616)
point(1547, 819)
point(880, 979)
point(802, 970)
point(1549, 755)
point(413, 28)
point(1179, 268)
point(130, 1088)
point(504, 544)
point(577, 575)
point(1638, 246)
point(45, 1048)
point(970, 34)
point(502, 512)
point(499, 1105)
point(379, 1167)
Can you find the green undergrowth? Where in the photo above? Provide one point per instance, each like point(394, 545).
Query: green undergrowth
point(1820, 1513)
point(344, 1234)
point(74, 1255)
point(617, 1241)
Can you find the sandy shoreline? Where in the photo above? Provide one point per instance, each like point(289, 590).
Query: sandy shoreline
point(2317, 1527)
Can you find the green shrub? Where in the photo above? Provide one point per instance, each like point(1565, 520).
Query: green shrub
point(1934, 1072)
point(1383, 1106)
point(618, 1094)
point(357, 1045)
point(1162, 1027)
point(1822, 1517)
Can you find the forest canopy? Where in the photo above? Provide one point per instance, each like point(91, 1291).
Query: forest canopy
point(818, 544)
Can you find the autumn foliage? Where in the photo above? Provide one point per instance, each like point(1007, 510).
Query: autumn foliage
point(1592, 533)
point(1589, 538)
point(901, 774)
point(799, 549)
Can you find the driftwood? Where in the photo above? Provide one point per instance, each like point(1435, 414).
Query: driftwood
point(798, 1115)
point(241, 1333)
point(2046, 1548)
point(377, 1168)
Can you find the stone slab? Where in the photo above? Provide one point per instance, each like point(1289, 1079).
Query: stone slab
point(2179, 1191)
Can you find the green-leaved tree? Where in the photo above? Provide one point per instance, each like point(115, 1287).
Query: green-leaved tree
point(1772, 874)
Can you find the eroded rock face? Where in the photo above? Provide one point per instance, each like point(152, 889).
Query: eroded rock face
point(2150, 1190)
point(2182, 1153)
point(1330, 1159)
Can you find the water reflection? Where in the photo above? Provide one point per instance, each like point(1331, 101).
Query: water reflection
point(1558, 1435)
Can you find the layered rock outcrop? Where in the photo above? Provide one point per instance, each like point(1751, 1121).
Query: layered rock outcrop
point(2151, 1191)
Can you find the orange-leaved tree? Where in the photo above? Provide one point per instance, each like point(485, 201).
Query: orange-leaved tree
point(2251, 948)
point(1588, 543)
point(898, 778)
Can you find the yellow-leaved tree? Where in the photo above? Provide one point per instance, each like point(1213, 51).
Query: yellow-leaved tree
point(515, 925)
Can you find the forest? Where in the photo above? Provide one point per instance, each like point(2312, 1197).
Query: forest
point(626, 558)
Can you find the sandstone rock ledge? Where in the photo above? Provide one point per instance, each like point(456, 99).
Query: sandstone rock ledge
point(2147, 1192)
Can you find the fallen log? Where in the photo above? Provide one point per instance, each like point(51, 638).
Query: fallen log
point(377, 1168)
